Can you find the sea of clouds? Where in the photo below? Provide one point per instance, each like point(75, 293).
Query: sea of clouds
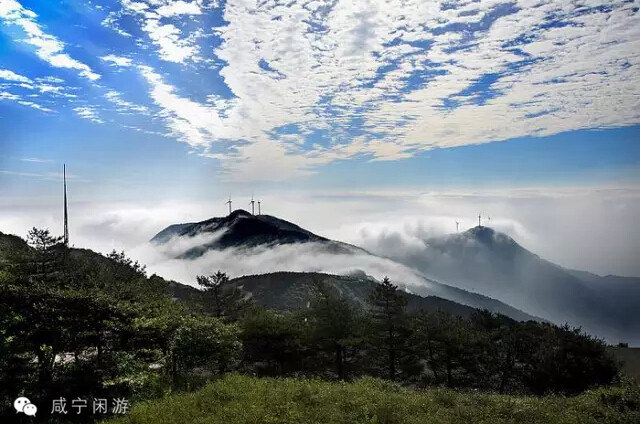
point(590, 229)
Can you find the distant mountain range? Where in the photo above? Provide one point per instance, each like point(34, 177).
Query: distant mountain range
point(479, 268)
point(242, 230)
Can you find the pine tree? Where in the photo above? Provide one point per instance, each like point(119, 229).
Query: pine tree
point(33, 303)
point(335, 323)
point(389, 321)
point(47, 259)
point(222, 299)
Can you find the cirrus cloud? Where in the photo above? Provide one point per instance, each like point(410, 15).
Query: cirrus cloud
point(325, 81)
point(48, 47)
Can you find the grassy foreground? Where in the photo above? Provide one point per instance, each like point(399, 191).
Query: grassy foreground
point(240, 399)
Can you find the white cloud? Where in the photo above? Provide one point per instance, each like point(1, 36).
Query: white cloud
point(307, 257)
point(36, 160)
point(89, 113)
point(50, 79)
point(35, 105)
point(48, 47)
point(9, 75)
point(111, 22)
point(195, 123)
point(7, 96)
point(388, 69)
point(123, 105)
point(172, 43)
point(177, 8)
point(36, 175)
point(41, 89)
point(117, 60)
point(173, 48)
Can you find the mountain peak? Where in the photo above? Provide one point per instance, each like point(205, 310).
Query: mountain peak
point(480, 229)
point(238, 212)
point(482, 234)
point(480, 237)
point(239, 229)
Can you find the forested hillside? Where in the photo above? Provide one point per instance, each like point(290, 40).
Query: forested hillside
point(74, 322)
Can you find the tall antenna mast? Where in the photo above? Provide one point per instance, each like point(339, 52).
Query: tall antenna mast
point(259, 207)
point(64, 183)
point(252, 203)
point(229, 202)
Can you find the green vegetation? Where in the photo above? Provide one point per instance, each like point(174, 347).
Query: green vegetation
point(76, 323)
point(240, 399)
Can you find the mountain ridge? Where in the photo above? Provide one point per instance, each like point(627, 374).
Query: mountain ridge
point(241, 229)
point(493, 264)
point(480, 267)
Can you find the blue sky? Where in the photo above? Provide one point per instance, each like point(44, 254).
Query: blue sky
point(271, 92)
point(127, 164)
point(150, 100)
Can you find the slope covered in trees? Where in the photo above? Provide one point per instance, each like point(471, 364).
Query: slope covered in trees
point(73, 322)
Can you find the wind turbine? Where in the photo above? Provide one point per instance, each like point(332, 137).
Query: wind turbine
point(457, 223)
point(252, 203)
point(229, 203)
point(479, 220)
point(258, 207)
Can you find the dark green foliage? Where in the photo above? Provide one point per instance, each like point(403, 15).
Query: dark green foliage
point(493, 352)
point(336, 329)
point(125, 265)
point(273, 343)
point(203, 345)
point(390, 330)
point(43, 263)
point(73, 323)
point(438, 341)
point(288, 291)
point(484, 351)
point(221, 299)
point(563, 359)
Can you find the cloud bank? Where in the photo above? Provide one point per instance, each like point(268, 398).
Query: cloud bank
point(305, 257)
point(589, 229)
